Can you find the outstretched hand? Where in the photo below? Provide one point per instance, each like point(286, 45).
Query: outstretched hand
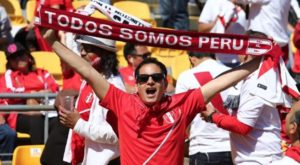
point(68, 118)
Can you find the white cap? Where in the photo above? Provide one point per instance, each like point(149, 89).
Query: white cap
point(103, 43)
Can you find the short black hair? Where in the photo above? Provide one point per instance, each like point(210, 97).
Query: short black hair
point(151, 60)
point(108, 64)
point(198, 54)
point(129, 48)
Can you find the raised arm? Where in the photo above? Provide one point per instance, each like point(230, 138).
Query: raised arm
point(95, 79)
point(228, 79)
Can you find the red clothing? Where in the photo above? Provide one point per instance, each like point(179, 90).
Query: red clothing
point(64, 5)
point(127, 74)
point(294, 153)
point(296, 40)
point(73, 82)
point(142, 129)
point(296, 65)
point(231, 123)
point(85, 100)
point(15, 81)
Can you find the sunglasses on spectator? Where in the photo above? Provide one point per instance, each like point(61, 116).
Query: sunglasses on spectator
point(144, 56)
point(90, 48)
point(156, 77)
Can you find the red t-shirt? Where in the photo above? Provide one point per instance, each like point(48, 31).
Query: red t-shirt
point(167, 121)
point(127, 74)
point(72, 83)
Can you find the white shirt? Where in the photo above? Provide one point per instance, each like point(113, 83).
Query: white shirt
point(270, 17)
point(285, 160)
point(224, 8)
point(204, 137)
point(262, 144)
point(101, 143)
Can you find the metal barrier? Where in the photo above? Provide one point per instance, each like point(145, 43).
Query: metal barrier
point(19, 108)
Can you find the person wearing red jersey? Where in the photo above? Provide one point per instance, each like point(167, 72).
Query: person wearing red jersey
point(151, 125)
point(22, 77)
point(134, 55)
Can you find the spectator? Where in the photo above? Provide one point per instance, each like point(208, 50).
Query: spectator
point(7, 136)
point(134, 55)
point(55, 145)
point(100, 141)
point(5, 28)
point(22, 77)
point(174, 14)
point(207, 143)
point(222, 16)
point(151, 126)
point(58, 134)
point(292, 155)
point(255, 126)
point(270, 18)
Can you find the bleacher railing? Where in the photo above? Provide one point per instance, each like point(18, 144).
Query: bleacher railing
point(20, 108)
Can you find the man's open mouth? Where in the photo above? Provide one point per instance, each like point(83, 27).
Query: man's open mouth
point(150, 90)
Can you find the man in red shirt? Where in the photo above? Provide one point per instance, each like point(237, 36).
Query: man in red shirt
point(151, 125)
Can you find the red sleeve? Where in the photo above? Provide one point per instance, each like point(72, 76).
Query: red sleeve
point(296, 38)
point(231, 123)
point(115, 99)
point(3, 87)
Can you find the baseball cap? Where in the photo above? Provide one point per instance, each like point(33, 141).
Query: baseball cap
point(14, 48)
point(103, 43)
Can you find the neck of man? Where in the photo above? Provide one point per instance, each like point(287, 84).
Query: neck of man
point(198, 61)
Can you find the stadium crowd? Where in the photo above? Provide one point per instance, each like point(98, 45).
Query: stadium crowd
point(130, 104)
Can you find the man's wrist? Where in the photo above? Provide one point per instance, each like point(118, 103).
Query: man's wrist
point(210, 117)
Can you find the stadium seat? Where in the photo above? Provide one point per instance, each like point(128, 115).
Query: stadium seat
point(50, 62)
point(175, 60)
point(2, 63)
point(79, 4)
point(138, 9)
point(22, 135)
point(30, 8)
point(180, 64)
point(27, 154)
point(14, 11)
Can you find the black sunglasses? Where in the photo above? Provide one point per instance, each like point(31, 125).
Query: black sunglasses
point(144, 56)
point(143, 78)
